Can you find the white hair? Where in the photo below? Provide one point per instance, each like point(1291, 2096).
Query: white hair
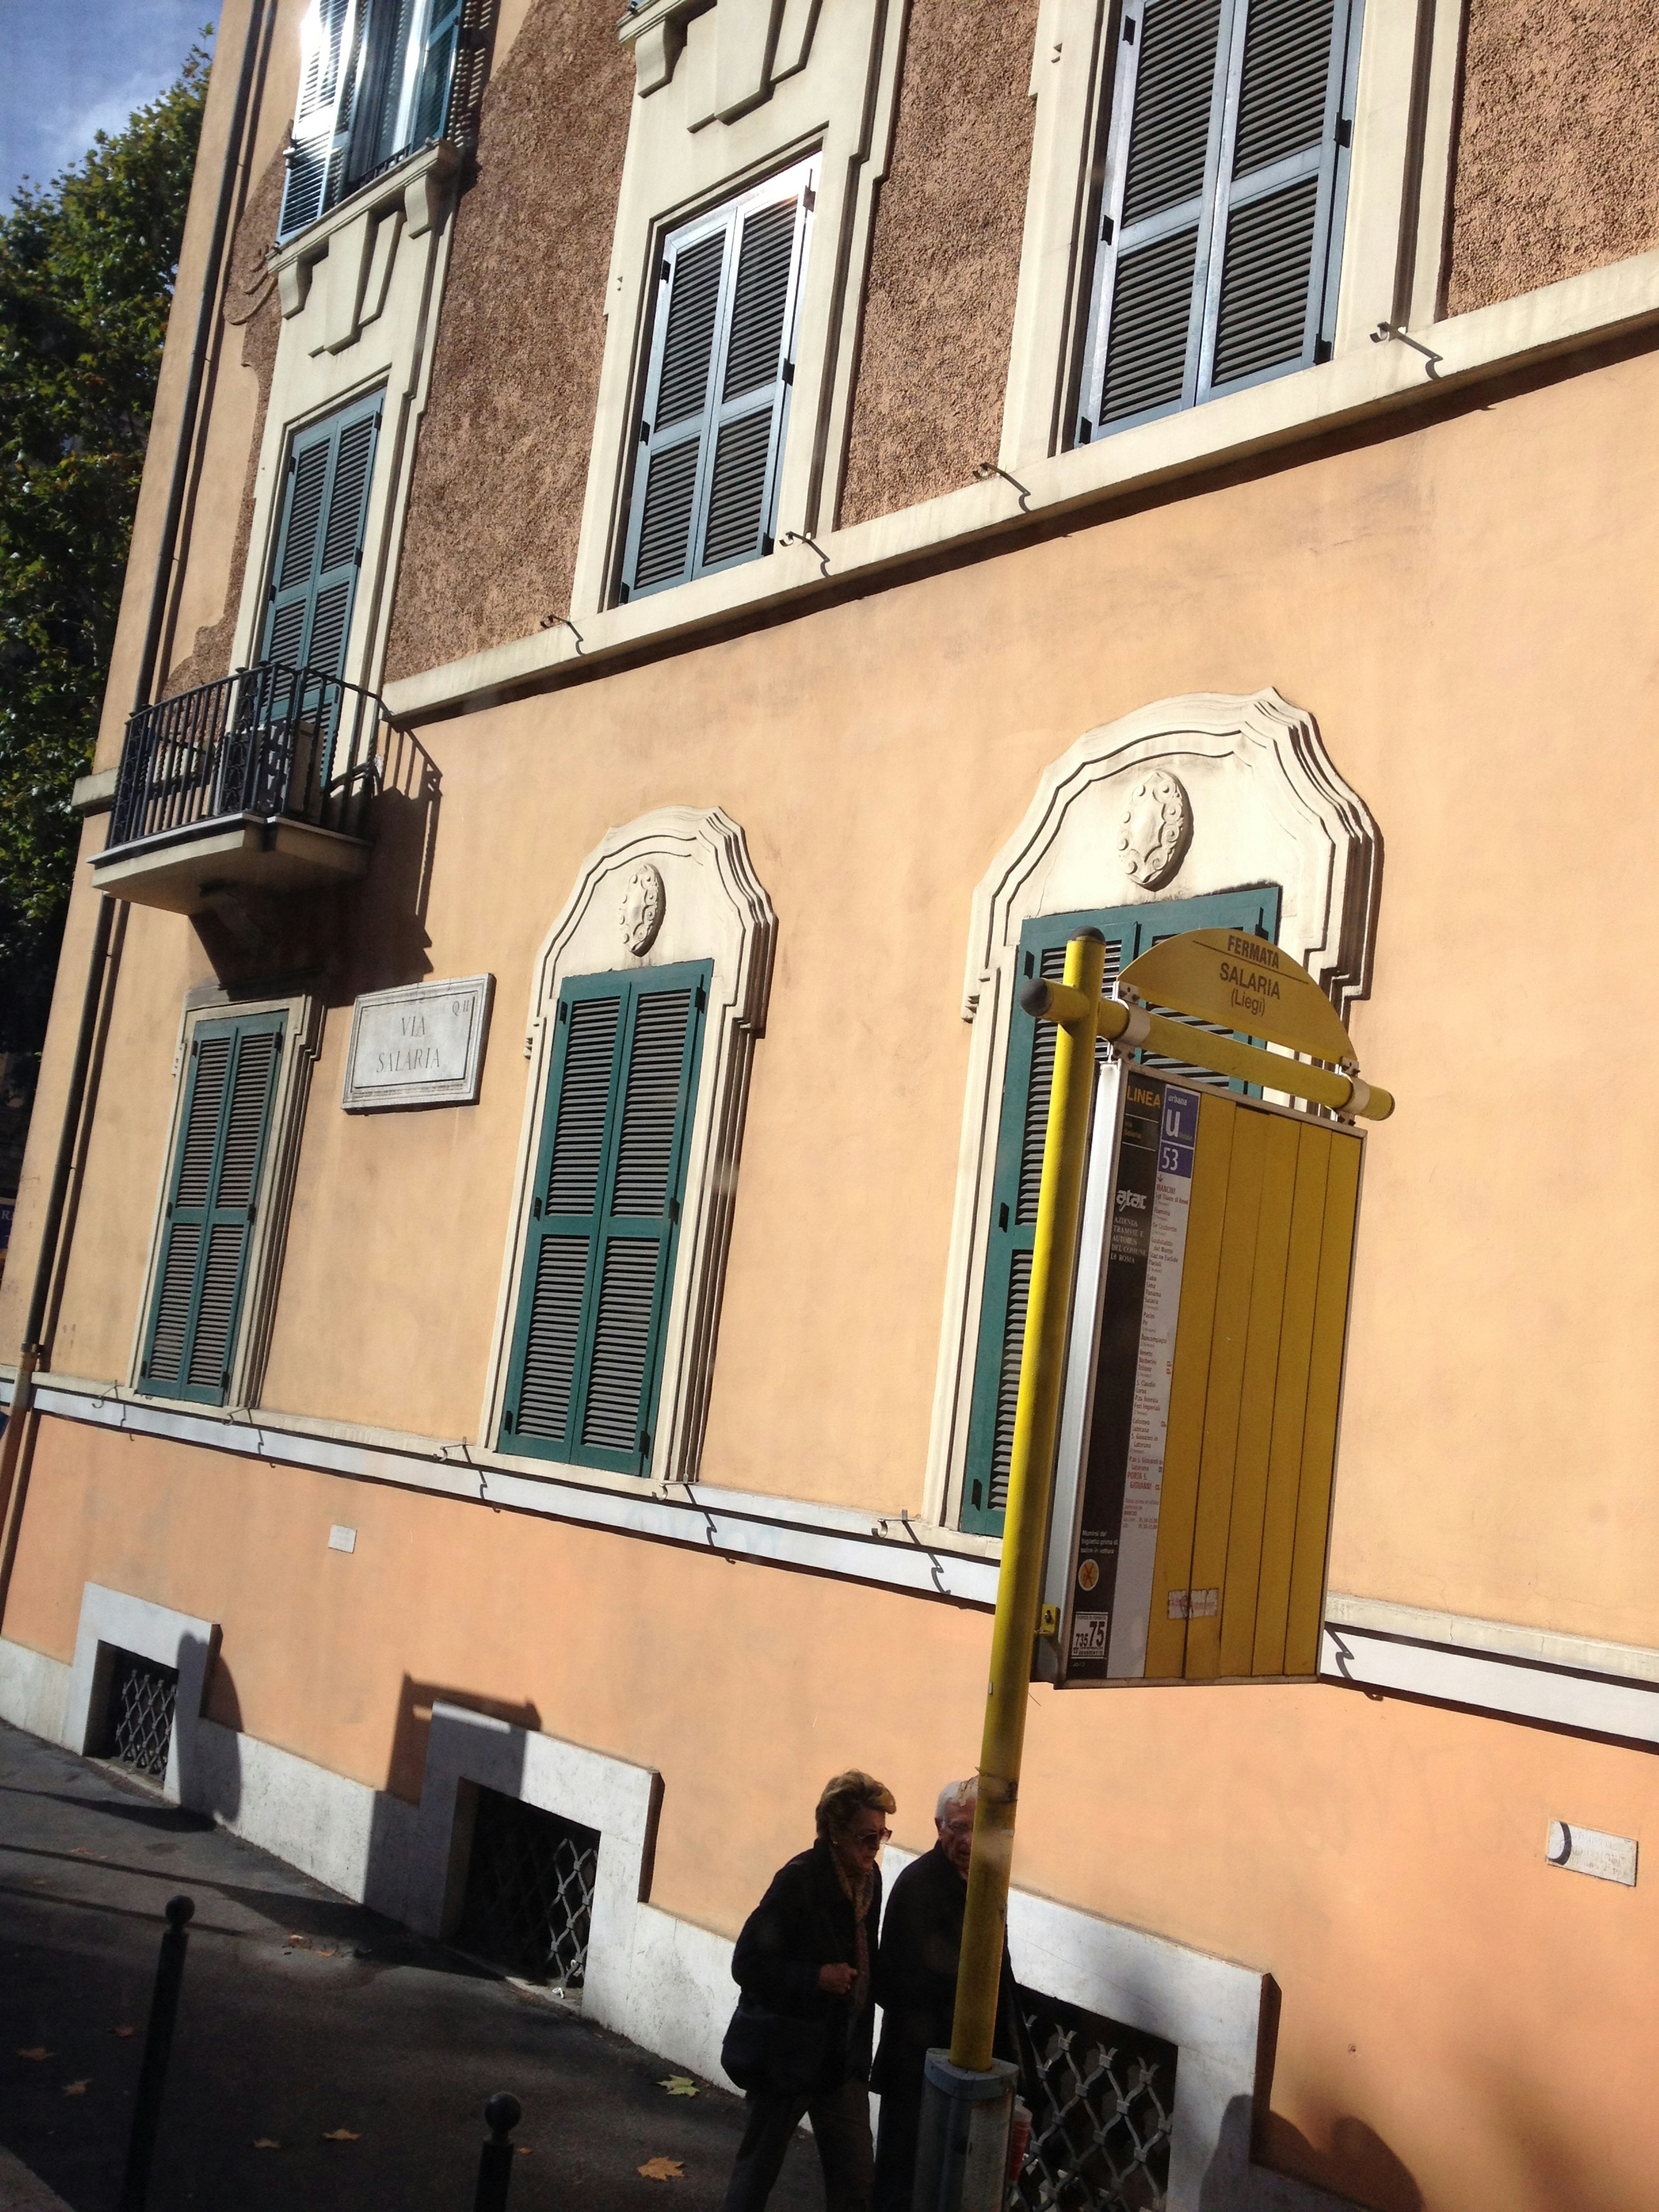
point(957, 1793)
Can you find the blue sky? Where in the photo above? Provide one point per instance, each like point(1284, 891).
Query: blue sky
point(69, 68)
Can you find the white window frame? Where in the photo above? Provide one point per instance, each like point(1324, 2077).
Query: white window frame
point(1393, 237)
point(725, 100)
point(711, 906)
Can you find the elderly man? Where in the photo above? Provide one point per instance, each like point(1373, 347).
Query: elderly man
point(916, 1987)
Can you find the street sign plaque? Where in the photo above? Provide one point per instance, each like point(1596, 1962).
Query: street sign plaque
point(1246, 984)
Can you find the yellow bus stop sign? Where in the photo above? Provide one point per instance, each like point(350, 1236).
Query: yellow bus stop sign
point(1244, 983)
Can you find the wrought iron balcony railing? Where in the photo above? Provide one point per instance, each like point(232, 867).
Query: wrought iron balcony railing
point(271, 741)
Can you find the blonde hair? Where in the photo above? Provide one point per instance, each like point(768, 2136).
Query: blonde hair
point(845, 1797)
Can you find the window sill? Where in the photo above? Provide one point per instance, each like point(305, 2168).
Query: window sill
point(1372, 381)
point(422, 183)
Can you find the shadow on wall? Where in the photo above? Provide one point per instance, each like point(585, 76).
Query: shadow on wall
point(209, 1759)
point(407, 1837)
point(1356, 2166)
point(364, 935)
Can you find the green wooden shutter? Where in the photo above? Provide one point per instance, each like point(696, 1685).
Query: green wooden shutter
point(1028, 1078)
point(717, 392)
point(1226, 181)
point(584, 1367)
point(331, 41)
point(212, 1202)
point(433, 85)
point(319, 541)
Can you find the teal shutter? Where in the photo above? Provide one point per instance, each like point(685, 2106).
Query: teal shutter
point(704, 494)
point(319, 540)
point(1027, 1081)
point(585, 1368)
point(1226, 183)
point(331, 42)
point(431, 111)
point(212, 1201)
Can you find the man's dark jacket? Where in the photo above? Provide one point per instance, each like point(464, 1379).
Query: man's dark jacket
point(804, 1922)
point(916, 1975)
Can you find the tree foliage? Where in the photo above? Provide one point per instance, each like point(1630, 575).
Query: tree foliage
point(86, 267)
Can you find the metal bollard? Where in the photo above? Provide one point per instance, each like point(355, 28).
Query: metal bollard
point(502, 2115)
point(158, 2049)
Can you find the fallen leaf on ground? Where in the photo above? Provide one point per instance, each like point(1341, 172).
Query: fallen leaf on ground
point(341, 2135)
point(267, 2142)
point(123, 2031)
point(523, 2150)
point(39, 2051)
point(679, 2085)
point(296, 1939)
point(80, 1851)
point(77, 2089)
point(326, 1951)
point(663, 2169)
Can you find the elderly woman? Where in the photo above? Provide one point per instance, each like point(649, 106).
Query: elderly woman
point(800, 2041)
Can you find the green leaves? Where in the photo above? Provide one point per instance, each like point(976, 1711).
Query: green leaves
point(86, 267)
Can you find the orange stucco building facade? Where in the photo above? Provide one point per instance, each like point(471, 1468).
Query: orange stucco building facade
point(1378, 601)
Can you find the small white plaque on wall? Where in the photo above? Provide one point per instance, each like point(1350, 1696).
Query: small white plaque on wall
point(422, 1045)
point(1588, 1850)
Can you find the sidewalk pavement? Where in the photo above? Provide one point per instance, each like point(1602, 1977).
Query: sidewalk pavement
point(302, 2015)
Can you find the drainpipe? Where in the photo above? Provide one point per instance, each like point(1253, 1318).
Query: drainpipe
point(74, 1136)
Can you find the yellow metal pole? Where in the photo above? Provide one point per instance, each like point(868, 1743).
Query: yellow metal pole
point(1031, 1473)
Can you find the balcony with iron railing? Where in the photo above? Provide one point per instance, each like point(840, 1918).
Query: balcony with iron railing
point(261, 780)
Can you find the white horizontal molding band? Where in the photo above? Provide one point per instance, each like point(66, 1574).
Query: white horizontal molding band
point(1401, 373)
point(781, 1531)
point(1487, 1681)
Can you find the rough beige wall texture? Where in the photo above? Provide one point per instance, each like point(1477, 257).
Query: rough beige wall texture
point(1558, 149)
point(490, 547)
point(938, 311)
point(250, 305)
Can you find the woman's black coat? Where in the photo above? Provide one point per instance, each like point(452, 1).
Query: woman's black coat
point(804, 1922)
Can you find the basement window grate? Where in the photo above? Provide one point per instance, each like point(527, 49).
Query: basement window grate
point(141, 1696)
point(530, 1890)
point(1100, 2136)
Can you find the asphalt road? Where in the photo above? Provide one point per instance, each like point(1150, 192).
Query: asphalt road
point(302, 2015)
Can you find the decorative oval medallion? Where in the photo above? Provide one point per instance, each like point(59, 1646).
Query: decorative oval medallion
point(1155, 828)
point(643, 905)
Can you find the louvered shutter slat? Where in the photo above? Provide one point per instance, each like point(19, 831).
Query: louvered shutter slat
point(621, 1337)
point(307, 480)
point(1150, 328)
point(174, 1301)
point(1263, 312)
point(207, 1099)
point(737, 497)
point(221, 1280)
point(665, 527)
point(1283, 87)
point(583, 1104)
point(688, 351)
point(760, 302)
point(645, 1150)
point(1175, 91)
point(434, 91)
point(245, 1130)
point(555, 1334)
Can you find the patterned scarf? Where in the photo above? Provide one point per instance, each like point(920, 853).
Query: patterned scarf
point(858, 1890)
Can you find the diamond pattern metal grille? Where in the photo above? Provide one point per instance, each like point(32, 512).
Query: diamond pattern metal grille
point(530, 1890)
point(1100, 2138)
point(141, 1696)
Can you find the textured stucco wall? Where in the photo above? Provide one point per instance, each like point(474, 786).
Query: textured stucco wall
point(945, 259)
point(1558, 151)
point(250, 306)
point(491, 543)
